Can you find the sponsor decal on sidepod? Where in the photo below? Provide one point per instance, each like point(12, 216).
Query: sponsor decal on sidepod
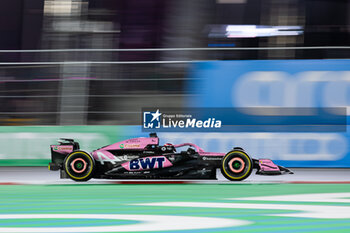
point(147, 163)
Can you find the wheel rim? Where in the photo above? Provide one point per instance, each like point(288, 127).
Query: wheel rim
point(236, 165)
point(78, 165)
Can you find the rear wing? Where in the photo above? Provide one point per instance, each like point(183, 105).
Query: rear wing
point(59, 152)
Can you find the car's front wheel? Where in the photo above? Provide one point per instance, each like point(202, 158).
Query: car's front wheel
point(79, 166)
point(236, 165)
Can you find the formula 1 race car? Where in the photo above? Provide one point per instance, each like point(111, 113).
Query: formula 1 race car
point(144, 158)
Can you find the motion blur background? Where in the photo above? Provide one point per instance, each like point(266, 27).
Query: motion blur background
point(85, 68)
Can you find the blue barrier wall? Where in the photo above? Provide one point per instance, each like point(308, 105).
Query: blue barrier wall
point(274, 83)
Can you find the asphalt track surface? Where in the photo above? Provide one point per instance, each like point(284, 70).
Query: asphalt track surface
point(33, 199)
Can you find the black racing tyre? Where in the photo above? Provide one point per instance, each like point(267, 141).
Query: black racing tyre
point(79, 166)
point(236, 165)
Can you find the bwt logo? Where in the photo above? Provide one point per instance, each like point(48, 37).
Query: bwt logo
point(147, 163)
point(151, 120)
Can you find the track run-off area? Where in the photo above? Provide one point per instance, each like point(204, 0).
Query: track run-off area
point(229, 207)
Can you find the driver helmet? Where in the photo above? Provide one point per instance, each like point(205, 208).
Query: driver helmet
point(169, 145)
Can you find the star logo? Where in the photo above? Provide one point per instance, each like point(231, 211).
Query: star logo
point(156, 115)
point(151, 119)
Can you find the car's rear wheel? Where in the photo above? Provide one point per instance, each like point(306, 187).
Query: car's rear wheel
point(236, 165)
point(79, 166)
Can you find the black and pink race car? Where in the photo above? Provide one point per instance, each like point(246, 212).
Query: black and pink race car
point(144, 158)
